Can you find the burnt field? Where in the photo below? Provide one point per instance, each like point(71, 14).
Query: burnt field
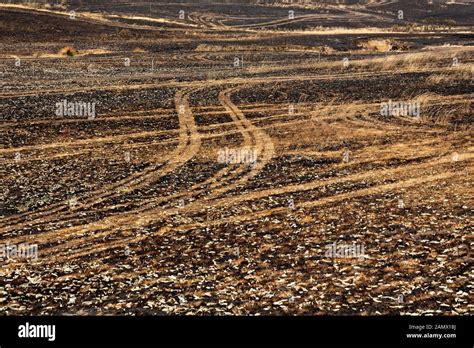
point(236, 159)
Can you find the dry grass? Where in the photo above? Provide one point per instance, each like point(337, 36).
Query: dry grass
point(462, 72)
point(378, 45)
point(414, 61)
point(441, 110)
point(432, 59)
point(253, 48)
point(138, 50)
point(68, 51)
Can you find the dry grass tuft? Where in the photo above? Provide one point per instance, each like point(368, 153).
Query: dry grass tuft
point(68, 51)
point(378, 45)
point(138, 50)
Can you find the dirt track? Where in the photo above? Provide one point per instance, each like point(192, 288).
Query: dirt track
point(134, 213)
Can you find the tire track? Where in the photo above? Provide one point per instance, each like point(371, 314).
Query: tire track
point(189, 143)
point(131, 222)
point(251, 136)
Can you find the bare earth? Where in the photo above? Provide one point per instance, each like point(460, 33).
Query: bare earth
point(132, 210)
